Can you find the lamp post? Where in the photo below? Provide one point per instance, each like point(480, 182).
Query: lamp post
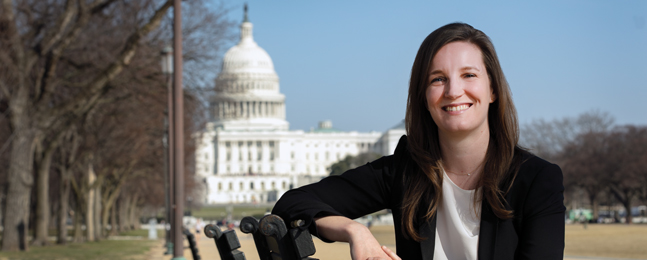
point(178, 132)
point(167, 70)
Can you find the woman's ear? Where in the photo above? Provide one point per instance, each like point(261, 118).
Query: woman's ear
point(492, 95)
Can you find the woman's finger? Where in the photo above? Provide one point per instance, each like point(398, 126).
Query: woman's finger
point(390, 253)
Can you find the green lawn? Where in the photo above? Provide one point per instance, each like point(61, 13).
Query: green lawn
point(220, 212)
point(106, 249)
point(134, 248)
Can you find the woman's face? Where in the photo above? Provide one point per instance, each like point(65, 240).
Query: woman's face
point(458, 90)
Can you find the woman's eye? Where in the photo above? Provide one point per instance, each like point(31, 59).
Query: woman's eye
point(437, 80)
point(470, 75)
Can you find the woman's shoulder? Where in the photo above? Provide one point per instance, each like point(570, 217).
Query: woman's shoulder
point(532, 162)
point(534, 168)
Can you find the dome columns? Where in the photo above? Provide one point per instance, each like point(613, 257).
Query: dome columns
point(248, 109)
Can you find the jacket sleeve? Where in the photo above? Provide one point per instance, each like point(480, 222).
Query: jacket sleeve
point(542, 235)
point(355, 193)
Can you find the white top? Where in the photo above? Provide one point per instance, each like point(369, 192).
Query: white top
point(457, 223)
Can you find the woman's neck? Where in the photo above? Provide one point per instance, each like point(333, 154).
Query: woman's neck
point(464, 154)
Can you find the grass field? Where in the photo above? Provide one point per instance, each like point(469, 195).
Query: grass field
point(616, 241)
point(608, 240)
point(238, 212)
point(107, 249)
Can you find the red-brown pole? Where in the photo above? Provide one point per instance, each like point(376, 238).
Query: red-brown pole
point(178, 133)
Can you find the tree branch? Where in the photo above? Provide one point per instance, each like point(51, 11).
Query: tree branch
point(98, 85)
point(55, 35)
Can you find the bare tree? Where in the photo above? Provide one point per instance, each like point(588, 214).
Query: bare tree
point(627, 151)
point(571, 143)
point(59, 59)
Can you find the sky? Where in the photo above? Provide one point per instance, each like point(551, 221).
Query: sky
point(350, 61)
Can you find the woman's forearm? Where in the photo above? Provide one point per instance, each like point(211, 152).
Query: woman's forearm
point(342, 229)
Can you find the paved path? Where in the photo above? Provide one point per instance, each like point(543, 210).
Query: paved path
point(325, 251)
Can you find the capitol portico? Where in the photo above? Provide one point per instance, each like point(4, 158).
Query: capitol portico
point(247, 153)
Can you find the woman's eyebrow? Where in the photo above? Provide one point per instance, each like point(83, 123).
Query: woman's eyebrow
point(435, 72)
point(470, 68)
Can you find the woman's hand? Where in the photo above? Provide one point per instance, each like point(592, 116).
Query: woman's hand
point(363, 245)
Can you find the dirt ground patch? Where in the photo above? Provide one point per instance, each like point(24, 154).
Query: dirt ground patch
point(607, 240)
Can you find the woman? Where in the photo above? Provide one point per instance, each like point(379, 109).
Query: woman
point(458, 184)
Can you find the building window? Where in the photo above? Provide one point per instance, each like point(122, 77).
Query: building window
point(327, 156)
point(293, 167)
point(273, 185)
point(240, 156)
point(272, 144)
point(316, 156)
point(272, 156)
point(262, 185)
point(240, 144)
point(258, 169)
point(258, 144)
point(272, 168)
point(249, 156)
point(228, 169)
point(260, 156)
point(219, 186)
point(251, 185)
point(227, 144)
point(231, 186)
point(240, 186)
point(307, 156)
point(292, 155)
point(249, 143)
point(283, 185)
point(228, 156)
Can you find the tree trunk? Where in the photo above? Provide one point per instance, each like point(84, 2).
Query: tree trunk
point(123, 214)
point(625, 195)
point(78, 221)
point(628, 217)
point(132, 212)
point(20, 182)
point(64, 206)
point(89, 213)
point(42, 198)
point(97, 213)
point(113, 220)
point(595, 206)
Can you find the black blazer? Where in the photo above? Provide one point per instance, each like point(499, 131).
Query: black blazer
point(536, 197)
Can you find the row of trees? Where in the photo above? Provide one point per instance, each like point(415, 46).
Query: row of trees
point(598, 159)
point(82, 103)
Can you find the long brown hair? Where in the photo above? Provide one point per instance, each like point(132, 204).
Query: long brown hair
point(423, 188)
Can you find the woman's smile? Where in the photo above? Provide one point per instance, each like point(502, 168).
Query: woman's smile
point(456, 108)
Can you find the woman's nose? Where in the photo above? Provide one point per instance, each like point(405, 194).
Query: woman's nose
point(453, 89)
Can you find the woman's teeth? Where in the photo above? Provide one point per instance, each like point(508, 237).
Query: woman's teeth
point(456, 108)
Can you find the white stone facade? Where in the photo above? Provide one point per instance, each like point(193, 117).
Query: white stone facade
point(247, 154)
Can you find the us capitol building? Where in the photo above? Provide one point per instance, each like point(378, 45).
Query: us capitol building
point(247, 153)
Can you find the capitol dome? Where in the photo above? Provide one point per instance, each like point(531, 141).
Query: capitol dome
point(247, 88)
point(247, 56)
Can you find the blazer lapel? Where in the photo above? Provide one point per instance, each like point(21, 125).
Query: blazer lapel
point(428, 230)
point(487, 232)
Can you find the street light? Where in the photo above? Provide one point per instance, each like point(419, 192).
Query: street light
point(177, 123)
point(167, 70)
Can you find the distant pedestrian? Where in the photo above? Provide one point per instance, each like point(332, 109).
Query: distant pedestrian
point(199, 226)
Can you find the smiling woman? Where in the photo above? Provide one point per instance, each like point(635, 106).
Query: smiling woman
point(458, 184)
